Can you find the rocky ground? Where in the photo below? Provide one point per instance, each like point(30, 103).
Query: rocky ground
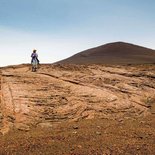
point(113, 104)
point(1, 117)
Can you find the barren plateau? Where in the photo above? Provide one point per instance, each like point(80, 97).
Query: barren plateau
point(60, 94)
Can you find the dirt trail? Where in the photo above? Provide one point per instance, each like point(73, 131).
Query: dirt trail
point(62, 93)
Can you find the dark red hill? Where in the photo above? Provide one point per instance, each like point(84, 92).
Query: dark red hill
point(113, 53)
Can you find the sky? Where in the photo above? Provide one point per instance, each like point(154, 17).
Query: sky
point(61, 28)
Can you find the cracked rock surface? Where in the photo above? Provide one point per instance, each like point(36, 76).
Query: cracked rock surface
point(59, 93)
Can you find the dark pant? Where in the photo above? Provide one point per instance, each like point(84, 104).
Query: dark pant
point(34, 58)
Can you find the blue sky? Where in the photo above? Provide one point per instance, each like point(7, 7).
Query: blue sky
point(61, 28)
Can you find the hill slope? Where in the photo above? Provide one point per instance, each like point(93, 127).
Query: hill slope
point(113, 53)
point(77, 109)
point(58, 93)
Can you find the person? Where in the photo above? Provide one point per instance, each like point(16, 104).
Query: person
point(34, 55)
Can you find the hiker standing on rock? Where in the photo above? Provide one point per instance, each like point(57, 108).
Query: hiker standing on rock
point(34, 55)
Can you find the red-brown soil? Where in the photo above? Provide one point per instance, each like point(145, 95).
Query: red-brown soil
point(113, 53)
point(77, 109)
